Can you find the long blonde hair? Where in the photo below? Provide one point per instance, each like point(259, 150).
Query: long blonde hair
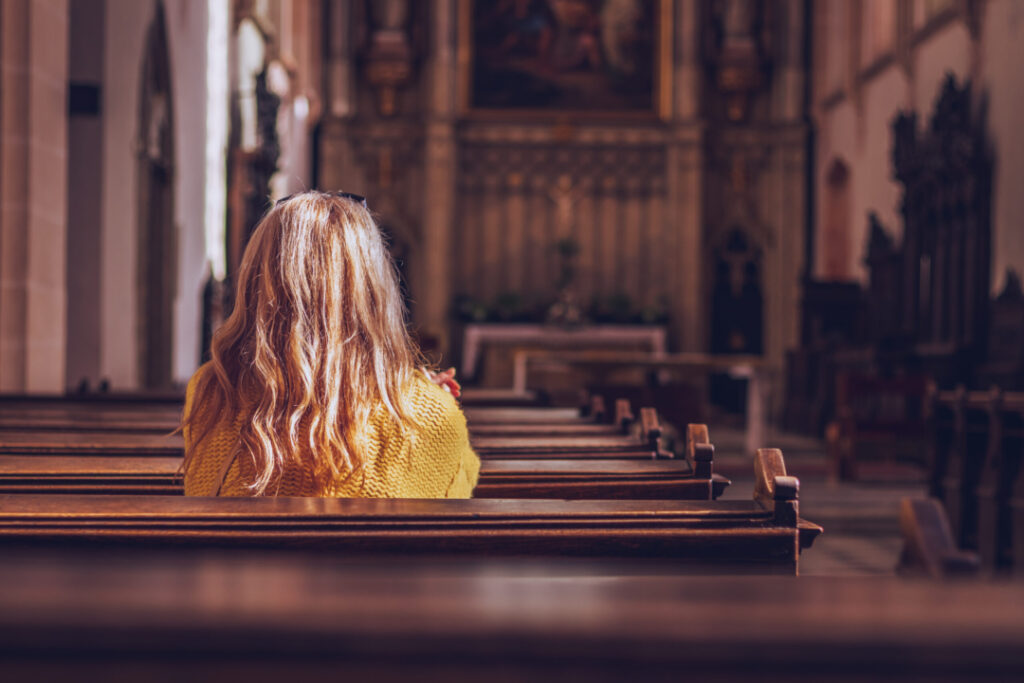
point(316, 343)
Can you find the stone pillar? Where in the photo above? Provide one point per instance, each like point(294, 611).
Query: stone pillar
point(337, 165)
point(439, 158)
point(33, 194)
point(788, 83)
point(685, 183)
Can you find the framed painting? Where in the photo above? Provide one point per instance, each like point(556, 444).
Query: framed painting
point(565, 57)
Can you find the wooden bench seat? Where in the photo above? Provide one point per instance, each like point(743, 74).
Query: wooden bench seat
point(123, 443)
point(89, 421)
point(567, 479)
point(760, 535)
point(166, 419)
point(197, 616)
point(490, 421)
point(90, 443)
point(976, 454)
point(161, 413)
point(24, 442)
point(488, 416)
point(593, 446)
point(482, 396)
point(881, 420)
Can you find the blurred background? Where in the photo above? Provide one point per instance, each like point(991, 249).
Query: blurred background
point(832, 187)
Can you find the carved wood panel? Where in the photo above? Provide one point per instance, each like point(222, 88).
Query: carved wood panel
point(517, 199)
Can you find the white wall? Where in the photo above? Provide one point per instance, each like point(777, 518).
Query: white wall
point(127, 22)
point(857, 129)
point(85, 197)
point(1002, 67)
point(186, 26)
point(126, 25)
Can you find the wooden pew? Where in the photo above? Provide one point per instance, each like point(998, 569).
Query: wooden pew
point(194, 616)
point(963, 468)
point(621, 424)
point(132, 400)
point(977, 456)
point(75, 413)
point(143, 444)
point(564, 479)
point(158, 413)
point(646, 444)
point(119, 419)
point(478, 396)
point(90, 431)
point(763, 535)
point(99, 443)
point(881, 419)
point(52, 414)
point(541, 416)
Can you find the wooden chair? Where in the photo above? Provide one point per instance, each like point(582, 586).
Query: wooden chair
point(881, 419)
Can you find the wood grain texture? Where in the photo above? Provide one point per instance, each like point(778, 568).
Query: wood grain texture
point(734, 535)
point(129, 616)
point(564, 479)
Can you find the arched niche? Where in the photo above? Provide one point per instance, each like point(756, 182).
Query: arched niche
point(835, 246)
point(737, 309)
point(737, 306)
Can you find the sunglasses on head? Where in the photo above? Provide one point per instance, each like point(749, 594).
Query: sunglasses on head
point(358, 198)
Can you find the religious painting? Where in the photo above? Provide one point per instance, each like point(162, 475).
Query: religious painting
point(605, 57)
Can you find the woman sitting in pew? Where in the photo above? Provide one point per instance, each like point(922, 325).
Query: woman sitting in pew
point(315, 387)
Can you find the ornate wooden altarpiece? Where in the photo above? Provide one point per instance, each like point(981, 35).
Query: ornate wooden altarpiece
point(926, 308)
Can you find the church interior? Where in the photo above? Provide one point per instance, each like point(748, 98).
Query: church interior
point(732, 288)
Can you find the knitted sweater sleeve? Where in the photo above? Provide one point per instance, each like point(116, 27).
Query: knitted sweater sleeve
point(468, 472)
point(446, 440)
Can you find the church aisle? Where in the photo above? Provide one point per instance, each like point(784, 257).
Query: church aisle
point(861, 519)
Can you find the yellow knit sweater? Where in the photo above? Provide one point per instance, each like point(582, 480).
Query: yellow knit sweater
point(436, 462)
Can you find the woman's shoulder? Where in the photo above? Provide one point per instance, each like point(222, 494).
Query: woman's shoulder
point(432, 404)
point(200, 372)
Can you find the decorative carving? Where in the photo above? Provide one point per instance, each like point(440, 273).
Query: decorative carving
point(565, 194)
point(390, 153)
point(884, 261)
point(389, 58)
point(738, 162)
point(880, 242)
point(738, 55)
point(264, 162)
point(566, 172)
point(1005, 351)
point(946, 174)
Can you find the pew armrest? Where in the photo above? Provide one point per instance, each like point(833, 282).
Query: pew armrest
point(808, 531)
point(703, 458)
point(651, 428)
point(718, 485)
point(695, 434)
point(774, 489)
point(624, 417)
point(768, 466)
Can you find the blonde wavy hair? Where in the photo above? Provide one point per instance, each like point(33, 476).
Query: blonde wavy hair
point(316, 344)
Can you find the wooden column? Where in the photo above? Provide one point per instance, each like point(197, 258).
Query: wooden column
point(33, 194)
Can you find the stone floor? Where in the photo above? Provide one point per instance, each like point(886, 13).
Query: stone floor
point(861, 520)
